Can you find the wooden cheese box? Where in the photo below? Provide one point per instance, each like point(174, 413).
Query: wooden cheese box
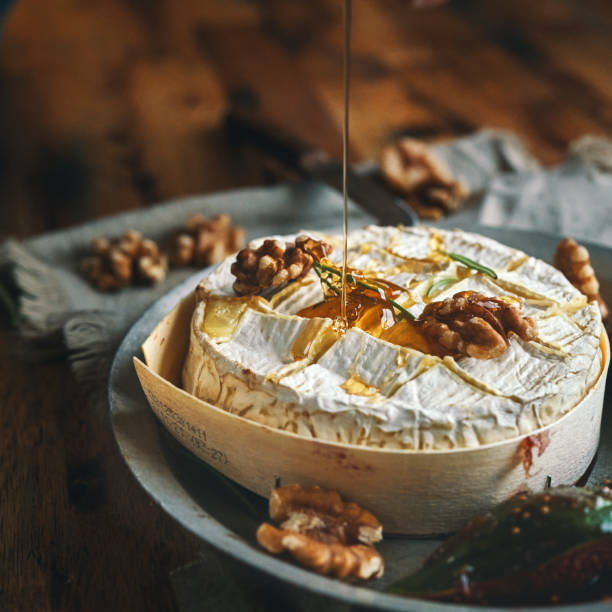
point(411, 492)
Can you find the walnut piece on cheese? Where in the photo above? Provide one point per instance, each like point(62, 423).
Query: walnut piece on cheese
point(471, 324)
point(274, 263)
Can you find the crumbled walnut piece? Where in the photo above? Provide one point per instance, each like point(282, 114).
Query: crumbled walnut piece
point(471, 324)
point(286, 501)
point(574, 261)
point(317, 248)
point(275, 263)
point(124, 261)
point(431, 213)
point(100, 245)
point(322, 532)
point(130, 243)
point(424, 180)
point(339, 560)
point(203, 242)
point(120, 265)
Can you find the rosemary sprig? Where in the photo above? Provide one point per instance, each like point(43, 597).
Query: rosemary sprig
point(319, 267)
point(470, 263)
point(434, 287)
point(324, 279)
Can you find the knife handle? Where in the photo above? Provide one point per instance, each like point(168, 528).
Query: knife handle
point(310, 162)
point(269, 138)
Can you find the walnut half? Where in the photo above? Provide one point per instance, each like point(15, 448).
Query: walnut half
point(470, 323)
point(275, 263)
point(323, 533)
point(426, 182)
point(574, 261)
point(124, 261)
point(203, 242)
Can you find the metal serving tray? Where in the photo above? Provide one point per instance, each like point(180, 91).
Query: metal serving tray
point(186, 489)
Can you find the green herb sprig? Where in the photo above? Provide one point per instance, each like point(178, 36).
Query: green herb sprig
point(324, 279)
point(435, 287)
point(470, 263)
point(320, 268)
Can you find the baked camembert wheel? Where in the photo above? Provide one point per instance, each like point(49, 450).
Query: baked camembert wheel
point(453, 340)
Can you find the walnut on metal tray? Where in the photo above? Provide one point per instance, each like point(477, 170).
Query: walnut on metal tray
point(203, 242)
point(124, 261)
point(275, 263)
point(411, 168)
point(574, 261)
point(322, 532)
point(470, 323)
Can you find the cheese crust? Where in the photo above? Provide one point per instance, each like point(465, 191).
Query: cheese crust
point(258, 359)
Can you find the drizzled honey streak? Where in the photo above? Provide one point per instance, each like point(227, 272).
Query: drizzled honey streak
point(369, 311)
point(468, 324)
point(366, 310)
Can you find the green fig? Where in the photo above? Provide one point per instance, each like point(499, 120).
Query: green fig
point(538, 548)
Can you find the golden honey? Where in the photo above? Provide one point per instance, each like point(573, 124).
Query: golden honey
point(372, 313)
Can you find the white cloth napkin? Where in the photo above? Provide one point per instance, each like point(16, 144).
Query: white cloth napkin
point(573, 199)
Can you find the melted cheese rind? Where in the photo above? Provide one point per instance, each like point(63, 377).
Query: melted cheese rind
point(534, 278)
point(410, 242)
point(262, 342)
point(485, 250)
point(272, 366)
point(298, 295)
point(525, 372)
point(462, 415)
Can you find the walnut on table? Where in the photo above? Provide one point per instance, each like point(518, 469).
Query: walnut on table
point(275, 263)
point(203, 242)
point(470, 323)
point(424, 180)
point(322, 532)
point(124, 261)
point(574, 261)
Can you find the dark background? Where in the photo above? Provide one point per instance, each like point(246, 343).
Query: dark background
point(112, 105)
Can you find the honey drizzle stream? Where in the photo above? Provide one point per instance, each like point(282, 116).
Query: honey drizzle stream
point(345, 144)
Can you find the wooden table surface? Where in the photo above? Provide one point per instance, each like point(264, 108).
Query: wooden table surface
point(114, 105)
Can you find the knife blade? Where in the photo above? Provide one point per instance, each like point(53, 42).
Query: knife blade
point(310, 162)
point(365, 192)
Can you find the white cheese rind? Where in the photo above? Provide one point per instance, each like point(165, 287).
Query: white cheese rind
point(363, 390)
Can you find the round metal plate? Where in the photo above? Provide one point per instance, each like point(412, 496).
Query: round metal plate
point(186, 489)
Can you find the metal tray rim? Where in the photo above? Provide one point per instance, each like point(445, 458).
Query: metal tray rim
point(193, 517)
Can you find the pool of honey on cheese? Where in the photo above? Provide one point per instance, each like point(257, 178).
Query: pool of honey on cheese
point(282, 361)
